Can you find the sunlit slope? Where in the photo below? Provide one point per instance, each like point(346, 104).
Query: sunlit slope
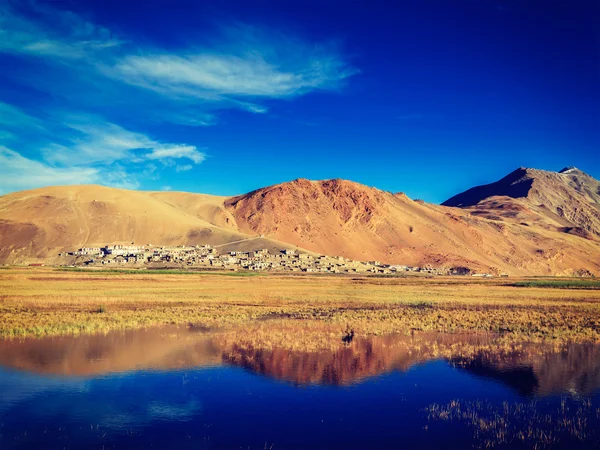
point(342, 217)
point(42, 222)
point(209, 208)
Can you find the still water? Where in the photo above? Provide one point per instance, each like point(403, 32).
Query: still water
point(186, 388)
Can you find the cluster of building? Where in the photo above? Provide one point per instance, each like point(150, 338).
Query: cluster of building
point(208, 257)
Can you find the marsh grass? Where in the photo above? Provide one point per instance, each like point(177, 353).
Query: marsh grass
point(44, 301)
point(521, 423)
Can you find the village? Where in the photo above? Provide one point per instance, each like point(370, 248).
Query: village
point(208, 257)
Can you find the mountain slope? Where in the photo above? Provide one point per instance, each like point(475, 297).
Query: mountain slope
point(569, 199)
point(531, 222)
point(342, 217)
point(39, 224)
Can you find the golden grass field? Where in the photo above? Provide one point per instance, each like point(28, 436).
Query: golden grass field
point(47, 301)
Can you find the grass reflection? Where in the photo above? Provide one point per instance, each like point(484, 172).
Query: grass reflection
point(522, 423)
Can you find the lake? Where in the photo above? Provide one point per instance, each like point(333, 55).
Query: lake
point(182, 387)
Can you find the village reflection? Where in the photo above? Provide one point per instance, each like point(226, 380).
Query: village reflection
point(529, 369)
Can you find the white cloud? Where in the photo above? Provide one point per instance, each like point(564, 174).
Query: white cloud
point(80, 68)
point(183, 168)
point(224, 70)
point(176, 152)
point(119, 177)
point(54, 34)
point(7, 136)
point(189, 117)
point(13, 118)
point(19, 173)
point(89, 150)
point(253, 108)
point(96, 141)
point(213, 76)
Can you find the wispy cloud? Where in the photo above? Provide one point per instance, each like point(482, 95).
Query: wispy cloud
point(101, 91)
point(215, 77)
point(89, 150)
point(19, 173)
point(241, 63)
point(183, 168)
point(53, 33)
point(12, 118)
point(94, 141)
point(167, 152)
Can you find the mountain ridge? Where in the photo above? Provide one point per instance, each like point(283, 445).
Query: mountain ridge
point(570, 198)
point(529, 222)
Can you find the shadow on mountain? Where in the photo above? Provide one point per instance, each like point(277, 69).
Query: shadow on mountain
point(516, 185)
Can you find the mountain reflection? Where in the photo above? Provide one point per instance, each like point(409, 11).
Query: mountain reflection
point(540, 370)
point(88, 355)
point(528, 368)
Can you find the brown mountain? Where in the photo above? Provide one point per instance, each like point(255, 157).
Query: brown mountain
point(530, 222)
point(568, 200)
point(38, 224)
point(342, 217)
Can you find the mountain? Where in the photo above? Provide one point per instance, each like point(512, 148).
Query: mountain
point(530, 222)
point(38, 224)
point(568, 200)
point(343, 217)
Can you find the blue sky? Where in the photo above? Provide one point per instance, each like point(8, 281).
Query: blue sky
point(425, 97)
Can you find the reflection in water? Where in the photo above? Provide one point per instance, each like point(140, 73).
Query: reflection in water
point(154, 348)
point(183, 388)
point(540, 370)
point(529, 369)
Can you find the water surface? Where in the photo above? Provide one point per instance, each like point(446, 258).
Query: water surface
point(190, 388)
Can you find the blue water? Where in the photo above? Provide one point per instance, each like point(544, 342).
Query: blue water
point(231, 407)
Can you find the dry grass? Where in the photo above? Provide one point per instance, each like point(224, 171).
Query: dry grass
point(45, 301)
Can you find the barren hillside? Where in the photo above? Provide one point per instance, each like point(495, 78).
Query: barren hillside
point(40, 223)
point(531, 222)
point(569, 199)
point(342, 217)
